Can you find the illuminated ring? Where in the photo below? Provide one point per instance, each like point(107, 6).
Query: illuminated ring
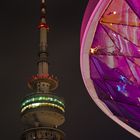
point(42, 104)
point(40, 97)
point(43, 25)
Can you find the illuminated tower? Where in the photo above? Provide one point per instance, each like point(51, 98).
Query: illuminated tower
point(42, 111)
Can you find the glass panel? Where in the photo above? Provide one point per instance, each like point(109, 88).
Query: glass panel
point(119, 12)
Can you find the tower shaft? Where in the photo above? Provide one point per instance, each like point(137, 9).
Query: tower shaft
point(43, 60)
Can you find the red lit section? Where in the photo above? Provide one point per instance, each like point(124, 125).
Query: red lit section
point(53, 81)
point(43, 25)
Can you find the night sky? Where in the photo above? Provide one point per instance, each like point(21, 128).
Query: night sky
point(19, 41)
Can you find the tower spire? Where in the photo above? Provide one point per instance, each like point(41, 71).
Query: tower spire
point(43, 27)
point(43, 81)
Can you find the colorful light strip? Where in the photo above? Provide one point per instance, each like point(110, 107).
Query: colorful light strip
point(42, 98)
point(35, 105)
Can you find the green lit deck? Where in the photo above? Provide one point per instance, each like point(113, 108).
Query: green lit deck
point(40, 99)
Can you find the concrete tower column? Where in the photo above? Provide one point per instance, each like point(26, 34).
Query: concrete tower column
point(43, 60)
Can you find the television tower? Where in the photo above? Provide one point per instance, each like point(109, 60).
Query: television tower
point(42, 111)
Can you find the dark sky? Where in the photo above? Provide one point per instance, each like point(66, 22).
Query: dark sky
point(19, 39)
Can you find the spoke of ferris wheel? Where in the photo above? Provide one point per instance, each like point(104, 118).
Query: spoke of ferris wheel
point(113, 54)
point(111, 23)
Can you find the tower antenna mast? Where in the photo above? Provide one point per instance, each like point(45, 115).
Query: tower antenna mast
point(43, 63)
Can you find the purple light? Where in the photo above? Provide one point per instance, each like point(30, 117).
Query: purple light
point(110, 59)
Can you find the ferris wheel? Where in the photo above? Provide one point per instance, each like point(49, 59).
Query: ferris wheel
point(110, 59)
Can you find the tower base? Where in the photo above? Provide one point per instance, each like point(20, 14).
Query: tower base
point(42, 133)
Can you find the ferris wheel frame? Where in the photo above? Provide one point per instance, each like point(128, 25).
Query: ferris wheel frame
point(88, 29)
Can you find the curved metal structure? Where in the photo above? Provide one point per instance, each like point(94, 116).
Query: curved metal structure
point(110, 59)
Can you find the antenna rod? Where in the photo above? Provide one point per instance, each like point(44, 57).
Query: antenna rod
point(43, 27)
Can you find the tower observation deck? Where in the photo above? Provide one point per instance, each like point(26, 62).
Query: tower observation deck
point(42, 112)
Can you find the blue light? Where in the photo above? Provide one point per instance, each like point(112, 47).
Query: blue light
point(122, 89)
point(119, 88)
point(125, 80)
